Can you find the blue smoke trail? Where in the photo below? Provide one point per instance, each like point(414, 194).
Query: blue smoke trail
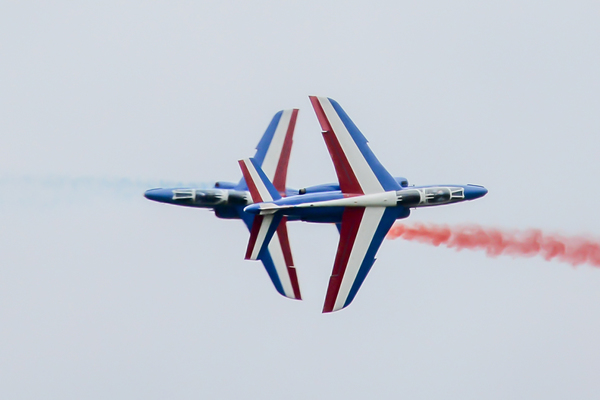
point(54, 190)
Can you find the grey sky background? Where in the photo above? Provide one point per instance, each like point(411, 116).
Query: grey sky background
point(105, 295)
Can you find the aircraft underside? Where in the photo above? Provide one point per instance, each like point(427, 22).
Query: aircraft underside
point(363, 204)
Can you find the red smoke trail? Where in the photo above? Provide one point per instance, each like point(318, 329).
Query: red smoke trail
point(495, 242)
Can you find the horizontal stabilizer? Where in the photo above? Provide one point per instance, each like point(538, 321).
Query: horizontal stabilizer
point(281, 254)
point(260, 187)
point(277, 259)
point(263, 229)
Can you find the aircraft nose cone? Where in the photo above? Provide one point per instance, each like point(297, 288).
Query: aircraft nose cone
point(473, 192)
point(161, 195)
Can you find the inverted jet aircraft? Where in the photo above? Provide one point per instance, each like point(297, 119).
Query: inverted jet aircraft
point(228, 199)
point(364, 204)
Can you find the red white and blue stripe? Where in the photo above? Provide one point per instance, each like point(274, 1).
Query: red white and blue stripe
point(268, 235)
point(361, 233)
point(274, 149)
point(357, 168)
point(362, 229)
point(273, 155)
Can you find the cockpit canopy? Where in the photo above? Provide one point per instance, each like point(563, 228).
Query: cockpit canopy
point(430, 196)
point(205, 197)
point(211, 197)
point(440, 195)
point(437, 195)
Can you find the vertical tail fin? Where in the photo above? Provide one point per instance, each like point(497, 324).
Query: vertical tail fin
point(273, 150)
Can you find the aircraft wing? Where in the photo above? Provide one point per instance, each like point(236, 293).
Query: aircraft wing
point(273, 150)
point(357, 168)
point(361, 233)
point(277, 259)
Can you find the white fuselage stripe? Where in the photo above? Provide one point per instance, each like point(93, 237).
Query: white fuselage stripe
point(280, 266)
point(361, 168)
point(262, 234)
point(385, 199)
point(368, 226)
point(269, 165)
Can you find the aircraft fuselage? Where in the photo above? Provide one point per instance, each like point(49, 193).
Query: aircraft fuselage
point(311, 205)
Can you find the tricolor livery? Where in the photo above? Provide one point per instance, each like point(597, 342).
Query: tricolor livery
point(228, 200)
point(364, 204)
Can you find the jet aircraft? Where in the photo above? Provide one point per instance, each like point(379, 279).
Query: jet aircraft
point(228, 199)
point(364, 204)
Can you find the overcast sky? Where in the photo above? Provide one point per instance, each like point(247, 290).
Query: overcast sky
point(105, 295)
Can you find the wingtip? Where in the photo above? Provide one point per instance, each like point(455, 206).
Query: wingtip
point(293, 110)
point(314, 97)
point(292, 297)
point(328, 310)
point(245, 161)
point(321, 116)
point(317, 99)
point(329, 305)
